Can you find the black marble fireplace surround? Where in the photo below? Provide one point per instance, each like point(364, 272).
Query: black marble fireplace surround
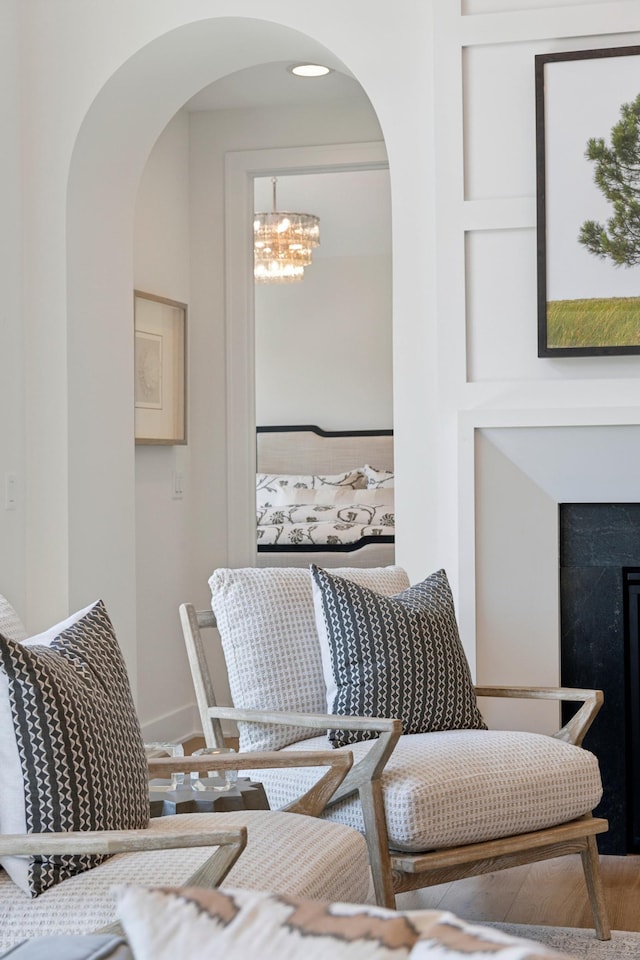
point(600, 620)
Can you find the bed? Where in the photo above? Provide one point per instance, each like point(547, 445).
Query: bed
point(324, 497)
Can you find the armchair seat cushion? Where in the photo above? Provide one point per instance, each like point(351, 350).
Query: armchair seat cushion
point(463, 786)
point(287, 853)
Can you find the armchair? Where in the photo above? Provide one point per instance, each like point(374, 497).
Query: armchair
point(283, 852)
point(55, 769)
point(434, 806)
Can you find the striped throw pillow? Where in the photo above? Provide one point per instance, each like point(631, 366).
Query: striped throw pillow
point(397, 656)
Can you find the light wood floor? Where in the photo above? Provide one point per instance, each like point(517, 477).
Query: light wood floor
point(552, 892)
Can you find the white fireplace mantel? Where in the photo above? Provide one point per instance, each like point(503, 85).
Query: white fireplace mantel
point(521, 475)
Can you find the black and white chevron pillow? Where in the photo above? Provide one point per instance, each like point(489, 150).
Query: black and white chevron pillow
point(398, 656)
point(71, 751)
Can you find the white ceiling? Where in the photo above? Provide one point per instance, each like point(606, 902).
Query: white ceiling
point(354, 207)
point(271, 84)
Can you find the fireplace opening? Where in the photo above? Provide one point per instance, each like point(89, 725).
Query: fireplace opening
point(600, 648)
point(631, 579)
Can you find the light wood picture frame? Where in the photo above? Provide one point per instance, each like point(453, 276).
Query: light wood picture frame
point(160, 377)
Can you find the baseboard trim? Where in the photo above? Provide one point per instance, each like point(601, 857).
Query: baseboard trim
point(173, 727)
point(178, 726)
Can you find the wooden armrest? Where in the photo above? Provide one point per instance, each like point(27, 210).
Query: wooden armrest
point(311, 803)
point(320, 721)
point(575, 730)
point(363, 772)
point(230, 844)
point(115, 841)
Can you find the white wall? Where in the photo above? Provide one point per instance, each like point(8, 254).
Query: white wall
point(12, 522)
point(502, 546)
point(79, 236)
point(323, 346)
point(162, 266)
point(170, 532)
point(213, 135)
point(99, 82)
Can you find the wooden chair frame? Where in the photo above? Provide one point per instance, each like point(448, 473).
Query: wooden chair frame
point(229, 843)
point(394, 872)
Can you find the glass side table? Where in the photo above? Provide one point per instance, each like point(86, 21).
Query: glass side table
point(168, 799)
point(221, 792)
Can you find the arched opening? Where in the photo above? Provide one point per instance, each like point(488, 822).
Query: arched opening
point(114, 143)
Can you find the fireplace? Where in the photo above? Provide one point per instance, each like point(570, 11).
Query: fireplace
point(632, 641)
point(600, 647)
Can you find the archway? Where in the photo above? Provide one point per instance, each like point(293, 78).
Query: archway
point(112, 147)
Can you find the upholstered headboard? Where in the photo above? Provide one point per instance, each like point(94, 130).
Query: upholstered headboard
point(310, 450)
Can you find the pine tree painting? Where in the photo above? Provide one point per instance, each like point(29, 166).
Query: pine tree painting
point(617, 175)
point(606, 317)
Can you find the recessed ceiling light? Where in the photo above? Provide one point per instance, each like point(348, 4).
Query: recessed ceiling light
point(310, 70)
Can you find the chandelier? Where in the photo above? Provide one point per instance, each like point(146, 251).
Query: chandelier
point(282, 244)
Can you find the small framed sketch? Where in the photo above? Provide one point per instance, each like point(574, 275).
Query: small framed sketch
point(588, 175)
point(160, 369)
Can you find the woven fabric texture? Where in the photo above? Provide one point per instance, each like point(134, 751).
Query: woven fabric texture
point(70, 727)
point(270, 642)
point(464, 786)
point(11, 625)
point(397, 656)
point(286, 852)
point(238, 924)
point(270, 485)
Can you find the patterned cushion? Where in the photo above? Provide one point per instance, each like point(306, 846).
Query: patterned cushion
point(287, 853)
point(10, 623)
point(378, 478)
point(269, 485)
point(463, 786)
point(236, 924)
point(71, 751)
point(268, 633)
point(397, 656)
point(346, 506)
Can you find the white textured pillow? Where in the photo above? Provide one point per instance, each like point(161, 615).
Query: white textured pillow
point(378, 478)
point(269, 485)
point(10, 623)
point(71, 751)
point(267, 627)
point(333, 496)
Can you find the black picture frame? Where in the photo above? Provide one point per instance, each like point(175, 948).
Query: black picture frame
point(585, 307)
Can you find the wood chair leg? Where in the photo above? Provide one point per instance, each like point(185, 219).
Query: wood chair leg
point(595, 889)
point(375, 826)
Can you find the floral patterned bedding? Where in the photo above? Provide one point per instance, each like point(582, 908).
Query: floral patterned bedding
point(328, 532)
point(332, 511)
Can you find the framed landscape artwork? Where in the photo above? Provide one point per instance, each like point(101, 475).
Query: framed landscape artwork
point(160, 374)
point(588, 202)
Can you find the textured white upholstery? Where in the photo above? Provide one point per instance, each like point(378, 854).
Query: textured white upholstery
point(286, 853)
point(11, 625)
point(440, 788)
point(463, 786)
point(268, 631)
